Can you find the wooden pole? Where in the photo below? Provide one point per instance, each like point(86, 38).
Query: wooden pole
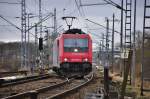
point(126, 73)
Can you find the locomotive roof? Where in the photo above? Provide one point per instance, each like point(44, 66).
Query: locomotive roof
point(74, 31)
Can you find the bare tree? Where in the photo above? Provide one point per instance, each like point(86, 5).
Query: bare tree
point(138, 39)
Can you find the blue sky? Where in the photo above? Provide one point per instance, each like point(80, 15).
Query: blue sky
point(64, 8)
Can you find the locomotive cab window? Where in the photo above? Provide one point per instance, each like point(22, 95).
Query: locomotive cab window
point(75, 45)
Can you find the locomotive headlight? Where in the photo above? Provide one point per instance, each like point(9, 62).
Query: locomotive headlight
point(65, 59)
point(75, 50)
point(85, 59)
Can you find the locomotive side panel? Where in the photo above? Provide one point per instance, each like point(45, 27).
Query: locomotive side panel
point(61, 50)
point(90, 49)
point(55, 53)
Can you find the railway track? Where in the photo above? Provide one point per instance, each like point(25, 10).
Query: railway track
point(54, 91)
point(4, 74)
point(72, 89)
point(21, 86)
point(5, 83)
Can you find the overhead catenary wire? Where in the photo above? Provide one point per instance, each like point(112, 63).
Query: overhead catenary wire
point(106, 2)
point(110, 2)
point(4, 2)
point(114, 4)
point(36, 3)
point(101, 25)
point(82, 15)
point(10, 30)
point(78, 7)
point(93, 4)
point(42, 20)
point(12, 24)
point(1, 25)
point(29, 11)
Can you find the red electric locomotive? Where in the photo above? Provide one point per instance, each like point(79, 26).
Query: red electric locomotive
point(72, 53)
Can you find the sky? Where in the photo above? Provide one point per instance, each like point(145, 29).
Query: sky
point(96, 13)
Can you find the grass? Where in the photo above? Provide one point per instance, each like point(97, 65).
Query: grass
point(135, 91)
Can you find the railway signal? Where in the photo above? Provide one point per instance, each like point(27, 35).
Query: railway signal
point(40, 43)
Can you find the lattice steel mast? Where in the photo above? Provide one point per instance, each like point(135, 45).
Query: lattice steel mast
point(128, 42)
point(23, 35)
point(145, 58)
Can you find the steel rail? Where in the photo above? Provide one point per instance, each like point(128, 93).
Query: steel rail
point(35, 92)
point(15, 72)
point(74, 89)
point(23, 80)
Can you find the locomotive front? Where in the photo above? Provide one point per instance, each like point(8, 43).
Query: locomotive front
point(75, 52)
